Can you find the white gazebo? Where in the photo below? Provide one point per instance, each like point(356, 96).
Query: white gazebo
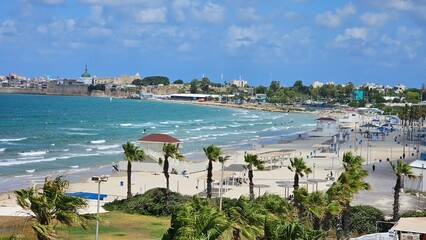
point(326, 127)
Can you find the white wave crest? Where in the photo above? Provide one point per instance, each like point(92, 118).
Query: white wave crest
point(33, 153)
point(125, 124)
point(2, 149)
point(12, 139)
point(98, 141)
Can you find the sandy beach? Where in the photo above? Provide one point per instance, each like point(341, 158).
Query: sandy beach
point(276, 178)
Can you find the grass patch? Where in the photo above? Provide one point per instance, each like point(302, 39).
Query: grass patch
point(113, 225)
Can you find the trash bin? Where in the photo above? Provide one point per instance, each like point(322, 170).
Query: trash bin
point(121, 183)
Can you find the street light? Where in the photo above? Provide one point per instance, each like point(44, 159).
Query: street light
point(98, 179)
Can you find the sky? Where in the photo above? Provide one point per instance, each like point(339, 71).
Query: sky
point(379, 41)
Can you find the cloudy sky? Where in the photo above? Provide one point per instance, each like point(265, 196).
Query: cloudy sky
point(379, 41)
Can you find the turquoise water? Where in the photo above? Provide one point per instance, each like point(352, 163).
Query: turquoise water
point(42, 135)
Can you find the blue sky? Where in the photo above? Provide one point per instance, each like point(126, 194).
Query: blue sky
point(379, 41)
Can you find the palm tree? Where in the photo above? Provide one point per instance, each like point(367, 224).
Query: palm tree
point(50, 206)
point(222, 160)
point(170, 150)
point(316, 206)
point(400, 169)
point(349, 183)
point(197, 219)
point(212, 152)
point(131, 153)
point(299, 167)
point(253, 161)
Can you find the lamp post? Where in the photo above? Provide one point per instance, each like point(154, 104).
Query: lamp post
point(98, 180)
point(220, 189)
point(355, 139)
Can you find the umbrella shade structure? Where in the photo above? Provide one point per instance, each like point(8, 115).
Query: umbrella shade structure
point(260, 186)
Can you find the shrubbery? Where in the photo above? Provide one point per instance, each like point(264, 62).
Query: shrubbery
point(152, 202)
point(363, 219)
point(414, 213)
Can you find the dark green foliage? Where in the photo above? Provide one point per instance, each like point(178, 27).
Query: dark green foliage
point(363, 219)
point(414, 213)
point(152, 202)
point(98, 87)
point(179, 81)
point(152, 80)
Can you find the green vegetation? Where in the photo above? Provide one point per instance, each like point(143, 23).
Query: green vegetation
point(131, 153)
point(153, 202)
point(252, 162)
point(400, 169)
point(170, 150)
point(212, 153)
point(97, 87)
point(363, 219)
point(114, 225)
point(151, 80)
point(50, 206)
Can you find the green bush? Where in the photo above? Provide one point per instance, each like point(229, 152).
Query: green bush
point(152, 202)
point(363, 219)
point(414, 213)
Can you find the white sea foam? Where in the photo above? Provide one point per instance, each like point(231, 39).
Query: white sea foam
point(98, 141)
point(30, 170)
point(198, 120)
point(11, 163)
point(12, 139)
point(33, 153)
point(2, 149)
point(103, 147)
point(111, 152)
point(125, 124)
point(74, 166)
point(88, 149)
point(81, 133)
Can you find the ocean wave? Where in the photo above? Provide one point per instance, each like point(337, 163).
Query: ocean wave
point(11, 163)
point(33, 153)
point(79, 129)
point(198, 120)
point(125, 124)
point(81, 133)
point(12, 139)
point(2, 149)
point(98, 141)
point(110, 152)
point(103, 147)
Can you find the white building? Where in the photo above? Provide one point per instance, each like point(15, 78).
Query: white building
point(86, 78)
point(239, 83)
point(317, 84)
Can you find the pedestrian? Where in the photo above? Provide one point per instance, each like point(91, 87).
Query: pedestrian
point(374, 167)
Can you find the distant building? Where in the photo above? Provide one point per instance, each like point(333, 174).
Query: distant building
point(317, 84)
point(239, 83)
point(86, 78)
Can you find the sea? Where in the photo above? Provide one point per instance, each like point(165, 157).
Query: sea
point(79, 136)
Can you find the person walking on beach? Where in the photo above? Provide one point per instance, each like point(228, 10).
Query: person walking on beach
point(374, 167)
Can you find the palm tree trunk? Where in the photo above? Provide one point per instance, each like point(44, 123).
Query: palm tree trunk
point(251, 185)
point(345, 220)
point(396, 199)
point(129, 179)
point(166, 172)
point(296, 181)
point(209, 179)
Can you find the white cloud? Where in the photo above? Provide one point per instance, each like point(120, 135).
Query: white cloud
point(179, 7)
point(210, 12)
point(243, 37)
point(96, 15)
point(131, 43)
point(114, 2)
point(53, 2)
point(184, 47)
point(375, 19)
point(332, 20)
point(248, 14)
point(352, 34)
point(157, 15)
point(58, 27)
point(8, 27)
